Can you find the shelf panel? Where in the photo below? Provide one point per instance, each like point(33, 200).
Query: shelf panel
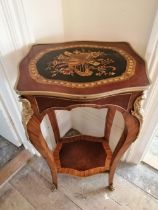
point(82, 157)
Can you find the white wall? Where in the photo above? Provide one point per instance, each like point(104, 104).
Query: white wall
point(90, 121)
point(110, 20)
point(105, 20)
point(45, 20)
point(7, 129)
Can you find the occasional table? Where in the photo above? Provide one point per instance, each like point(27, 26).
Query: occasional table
point(63, 76)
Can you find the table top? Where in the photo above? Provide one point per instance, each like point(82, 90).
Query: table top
point(81, 69)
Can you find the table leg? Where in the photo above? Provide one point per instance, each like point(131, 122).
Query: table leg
point(37, 139)
point(129, 134)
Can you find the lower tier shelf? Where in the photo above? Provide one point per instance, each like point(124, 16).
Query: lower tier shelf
point(82, 157)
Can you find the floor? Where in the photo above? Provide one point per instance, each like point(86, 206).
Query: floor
point(7, 151)
point(141, 175)
point(31, 189)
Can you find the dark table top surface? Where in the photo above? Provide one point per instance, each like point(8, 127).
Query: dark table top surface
point(81, 69)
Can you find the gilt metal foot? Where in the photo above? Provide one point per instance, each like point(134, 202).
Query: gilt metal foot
point(53, 187)
point(111, 187)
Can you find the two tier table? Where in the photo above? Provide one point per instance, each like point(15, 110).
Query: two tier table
point(64, 76)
